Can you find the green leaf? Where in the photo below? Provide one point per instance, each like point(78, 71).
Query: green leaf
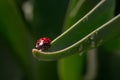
point(89, 30)
point(71, 68)
point(14, 29)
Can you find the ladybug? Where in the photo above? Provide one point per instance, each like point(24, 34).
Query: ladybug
point(43, 43)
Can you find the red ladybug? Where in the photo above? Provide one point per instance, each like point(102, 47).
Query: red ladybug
point(43, 43)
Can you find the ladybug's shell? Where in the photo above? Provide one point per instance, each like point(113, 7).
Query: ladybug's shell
point(43, 43)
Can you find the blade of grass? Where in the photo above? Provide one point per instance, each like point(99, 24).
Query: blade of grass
point(59, 50)
point(13, 28)
point(71, 68)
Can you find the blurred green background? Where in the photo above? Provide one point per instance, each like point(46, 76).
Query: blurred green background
point(22, 22)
